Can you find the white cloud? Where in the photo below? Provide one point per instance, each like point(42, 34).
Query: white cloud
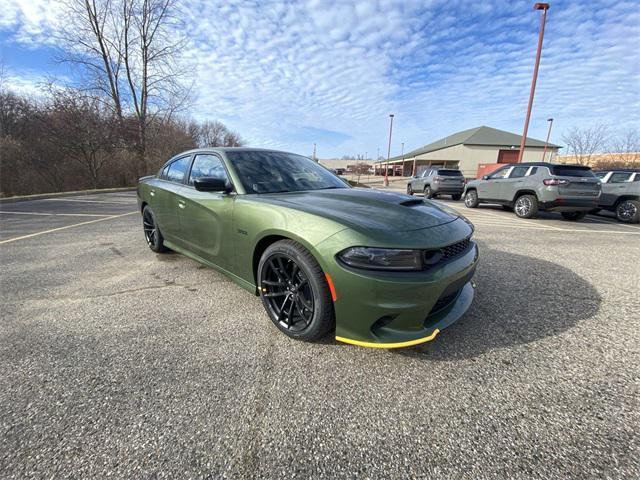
point(275, 71)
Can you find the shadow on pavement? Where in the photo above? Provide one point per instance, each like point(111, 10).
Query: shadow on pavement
point(519, 300)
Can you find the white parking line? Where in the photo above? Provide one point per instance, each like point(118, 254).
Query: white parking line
point(61, 214)
point(31, 235)
point(82, 201)
point(556, 230)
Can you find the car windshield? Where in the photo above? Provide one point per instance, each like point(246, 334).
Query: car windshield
point(274, 172)
point(571, 171)
point(449, 173)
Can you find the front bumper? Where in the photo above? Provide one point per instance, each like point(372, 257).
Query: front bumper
point(391, 310)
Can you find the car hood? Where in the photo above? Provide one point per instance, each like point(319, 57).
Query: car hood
point(362, 208)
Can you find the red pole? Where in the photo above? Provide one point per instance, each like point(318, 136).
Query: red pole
point(386, 170)
point(546, 143)
point(544, 7)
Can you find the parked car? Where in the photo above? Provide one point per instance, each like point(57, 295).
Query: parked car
point(438, 181)
point(621, 193)
point(383, 269)
point(572, 190)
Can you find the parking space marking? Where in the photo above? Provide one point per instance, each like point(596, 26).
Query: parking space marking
point(61, 214)
point(31, 235)
point(82, 201)
point(557, 230)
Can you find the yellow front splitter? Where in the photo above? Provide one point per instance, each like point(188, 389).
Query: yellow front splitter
point(408, 343)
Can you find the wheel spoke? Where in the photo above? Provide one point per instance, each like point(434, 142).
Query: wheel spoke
point(283, 269)
point(274, 294)
point(273, 283)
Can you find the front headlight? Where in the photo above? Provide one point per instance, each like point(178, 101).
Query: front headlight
point(382, 258)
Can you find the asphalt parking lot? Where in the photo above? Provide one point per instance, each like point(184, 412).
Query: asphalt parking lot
point(115, 361)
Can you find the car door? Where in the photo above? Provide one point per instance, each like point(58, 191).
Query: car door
point(164, 201)
point(508, 187)
point(206, 218)
point(615, 185)
point(489, 189)
point(420, 181)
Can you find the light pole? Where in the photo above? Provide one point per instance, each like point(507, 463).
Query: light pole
point(386, 170)
point(314, 153)
point(544, 7)
point(546, 143)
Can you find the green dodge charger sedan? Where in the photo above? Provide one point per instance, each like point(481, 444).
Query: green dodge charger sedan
point(382, 269)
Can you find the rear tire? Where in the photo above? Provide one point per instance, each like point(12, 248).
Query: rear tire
point(573, 216)
point(628, 211)
point(428, 193)
point(294, 291)
point(152, 234)
point(456, 197)
point(526, 206)
point(471, 199)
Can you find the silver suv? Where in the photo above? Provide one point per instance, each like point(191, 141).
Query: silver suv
point(621, 193)
point(572, 190)
point(438, 181)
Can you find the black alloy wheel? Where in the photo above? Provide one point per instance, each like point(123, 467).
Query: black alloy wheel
point(151, 232)
point(294, 291)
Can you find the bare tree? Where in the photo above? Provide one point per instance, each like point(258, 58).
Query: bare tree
point(583, 143)
point(81, 129)
point(625, 147)
point(212, 133)
point(128, 50)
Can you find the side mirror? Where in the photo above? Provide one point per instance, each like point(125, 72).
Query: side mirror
point(211, 184)
point(485, 177)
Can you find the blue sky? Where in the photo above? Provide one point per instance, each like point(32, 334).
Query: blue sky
point(288, 74)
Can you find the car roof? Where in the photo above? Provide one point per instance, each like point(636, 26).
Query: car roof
point(545, 164)
point(622, 170)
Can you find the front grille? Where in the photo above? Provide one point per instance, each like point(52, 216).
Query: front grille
point(431, 258)
point(456, 249)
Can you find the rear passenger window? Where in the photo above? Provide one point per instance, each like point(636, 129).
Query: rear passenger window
point(533, 171)
point(518, 172)
point(178, 169)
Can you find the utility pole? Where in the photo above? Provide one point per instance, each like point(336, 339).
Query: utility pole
point(386, 170)
point(546, 143)
point(543, 18)
point(314, 153)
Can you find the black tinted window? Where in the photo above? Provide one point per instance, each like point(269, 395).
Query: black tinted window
point(449, 173)
point(533, 171)
point(271, 172)
point(518, 172)
point(571, 171)
point(178, 169)
point(207, 166)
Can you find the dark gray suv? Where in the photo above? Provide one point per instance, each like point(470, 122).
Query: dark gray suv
point(438, 181)
point(572, 190)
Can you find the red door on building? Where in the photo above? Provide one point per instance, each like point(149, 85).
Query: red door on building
point(508, 156)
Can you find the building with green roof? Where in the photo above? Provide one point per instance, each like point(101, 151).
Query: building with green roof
point(467, 150)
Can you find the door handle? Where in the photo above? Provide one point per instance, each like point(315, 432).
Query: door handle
point(181, 204)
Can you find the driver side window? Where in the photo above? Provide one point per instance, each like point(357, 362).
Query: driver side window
point(502, 173)
point(207, 165)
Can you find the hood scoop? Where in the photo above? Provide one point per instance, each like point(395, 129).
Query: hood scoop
point(413, 202)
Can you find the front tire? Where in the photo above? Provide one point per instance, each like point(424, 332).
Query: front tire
point(573, 216)
point(428, 193)
point(294, 291)
point(526, 206)
point(152, 234)
point(628, 211)
point(471, 199)
point(409, 190)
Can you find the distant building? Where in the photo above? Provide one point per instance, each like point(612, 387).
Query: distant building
point(467, 150)
point(603, 160)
